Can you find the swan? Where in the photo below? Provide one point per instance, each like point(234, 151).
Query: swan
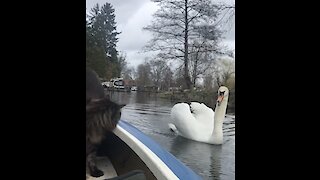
point(199, 122)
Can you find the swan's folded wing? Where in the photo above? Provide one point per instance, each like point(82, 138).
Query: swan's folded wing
point(201, 112)
point(181, 111)
point(182, 118)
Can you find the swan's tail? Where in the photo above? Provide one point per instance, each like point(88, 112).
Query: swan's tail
point(173, 128)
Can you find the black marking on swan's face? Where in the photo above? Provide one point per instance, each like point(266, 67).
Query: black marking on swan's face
point(222, 93)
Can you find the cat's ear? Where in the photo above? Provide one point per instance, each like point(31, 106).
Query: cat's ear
point(122, 105)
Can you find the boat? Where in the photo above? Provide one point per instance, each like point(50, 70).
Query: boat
point(127, 153)
point(118, 84)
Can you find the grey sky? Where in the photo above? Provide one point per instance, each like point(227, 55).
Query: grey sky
point(131, 17)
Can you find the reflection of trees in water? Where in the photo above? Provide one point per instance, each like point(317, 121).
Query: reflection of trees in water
point(149, 98)
point(120, 97)
point(131, 97)
point(142, 97)
point(205, 159)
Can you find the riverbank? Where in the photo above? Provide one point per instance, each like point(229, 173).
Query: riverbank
point(204, 96)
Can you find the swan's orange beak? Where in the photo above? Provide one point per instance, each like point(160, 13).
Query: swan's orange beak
point(219, 100)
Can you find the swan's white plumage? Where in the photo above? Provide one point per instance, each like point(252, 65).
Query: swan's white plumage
point(173, 127)
point(188, 123)
point(196, 121)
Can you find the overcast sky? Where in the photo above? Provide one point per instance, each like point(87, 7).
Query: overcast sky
point(131, 17)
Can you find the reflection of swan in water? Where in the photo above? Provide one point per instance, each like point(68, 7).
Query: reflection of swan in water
point(203, 158)
point(198, 122)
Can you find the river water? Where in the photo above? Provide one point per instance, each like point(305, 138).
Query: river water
point(151, 115)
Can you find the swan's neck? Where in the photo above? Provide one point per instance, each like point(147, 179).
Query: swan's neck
point(219, 116)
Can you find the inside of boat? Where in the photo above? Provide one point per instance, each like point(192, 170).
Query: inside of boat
point(120, 162)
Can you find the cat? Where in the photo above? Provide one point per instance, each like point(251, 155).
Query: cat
point(102, 115)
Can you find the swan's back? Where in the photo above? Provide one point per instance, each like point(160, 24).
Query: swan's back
point(202, 112)
point(180, 114)
point(197, 125)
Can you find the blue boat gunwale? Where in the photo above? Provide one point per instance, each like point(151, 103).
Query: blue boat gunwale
point(176, 166)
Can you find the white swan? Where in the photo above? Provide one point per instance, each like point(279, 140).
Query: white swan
point(198, 122)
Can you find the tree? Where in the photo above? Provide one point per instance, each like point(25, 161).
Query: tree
point(178, 77)
point(223, 70)
point(95, 55)
point(103, 25)
point(101, 41)
point(227, 14)
point(202, 57)
point(144, 75)
point(177, 24)
point(129, 73)
point(208, 83)
point(167, 78)
point(122, 63)
point(161, 74)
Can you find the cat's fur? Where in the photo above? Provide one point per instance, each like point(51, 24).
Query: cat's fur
point(102, 115)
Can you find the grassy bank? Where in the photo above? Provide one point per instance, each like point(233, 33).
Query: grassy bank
point(205, 96)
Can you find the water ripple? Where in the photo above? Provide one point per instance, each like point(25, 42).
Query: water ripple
point(151, 116)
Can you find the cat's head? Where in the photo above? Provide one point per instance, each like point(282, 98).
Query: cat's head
point(115, 110)
point(105, 107)
point(96, 105)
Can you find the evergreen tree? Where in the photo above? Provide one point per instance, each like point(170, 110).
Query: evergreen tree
point(101, 41)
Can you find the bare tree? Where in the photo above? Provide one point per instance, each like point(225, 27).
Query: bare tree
point(161, 74)
point(226, 15)
point(176, 24)
point(204, 53)
point(144, 75)
point(208, 83)
point(122, 62)
point(129, 73)
point(223, 70)
point(167, 80)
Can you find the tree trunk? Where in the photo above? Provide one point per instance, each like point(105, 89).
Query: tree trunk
point(195, 68)
point(186, 61)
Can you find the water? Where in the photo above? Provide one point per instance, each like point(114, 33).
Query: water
point(151, 115)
